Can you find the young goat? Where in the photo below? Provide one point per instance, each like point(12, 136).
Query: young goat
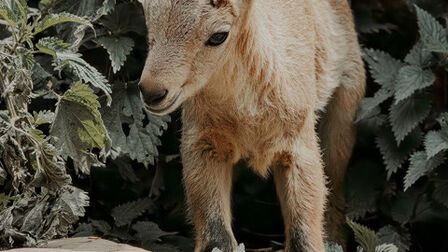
point(254, 77)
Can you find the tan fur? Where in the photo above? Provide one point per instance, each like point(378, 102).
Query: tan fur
point(258, 97)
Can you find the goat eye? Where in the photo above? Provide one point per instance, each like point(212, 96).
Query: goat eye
point(217, 39)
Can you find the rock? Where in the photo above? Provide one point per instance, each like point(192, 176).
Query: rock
point(93, 244)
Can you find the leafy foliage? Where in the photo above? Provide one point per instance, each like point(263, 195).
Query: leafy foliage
point(240, 248)
point(368, 240)
point(412, 104)
point(79, 128)
point(128, 109)
point(51, 125)
point(411, 94)
point(118, 49)
point(50, 122)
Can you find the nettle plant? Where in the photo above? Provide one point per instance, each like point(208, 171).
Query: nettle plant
point(409, 117)
point(414, 128)
point(59, 115)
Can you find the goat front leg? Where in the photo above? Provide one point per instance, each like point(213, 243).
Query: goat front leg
point(300, 184)
point(207, 176)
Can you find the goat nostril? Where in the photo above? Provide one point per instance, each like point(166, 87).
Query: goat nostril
point(156, 97)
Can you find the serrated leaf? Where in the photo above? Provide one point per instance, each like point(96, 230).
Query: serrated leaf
point(432, 33)
point(419, 55)
point(333, 247)
point(26, 58)
point(393, 155)
point(126, 213)
point(397, 236)
point(369, 105)
point(54, 19)
point(124, 166)
point(149, 232)
point(386, 248)
point(126, 17)
point(4, 199)
point(73, 201)
point(8, 15)
point(65, 58)
point(127, 109)
point(407, 114)
point(50, 45)
point(79, 127)
point(240, 248)
point(367, 239)
point(34, 218)
point(101, 226)
point(118, 49)
point(382, 66)
point(90, 9)
point(436, 142)
point(83, 70)
point(421, 166)
point(411, 79)
point(43, 117)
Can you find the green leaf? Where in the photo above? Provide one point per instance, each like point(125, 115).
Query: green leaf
point(126, 18)
point(118, 48)
point(432, 32)
point(411, 79)
point(54, 19)
point(126, 213)
point(43, 117)
point(26, 58)
point(79, 127)
point(101, 226)
point(85, 71)
point(394, 156)
point(149, 232)
point(421, 166)
point(419, 56)
point(367, 239)
point(73, 201)
point(124, 166)
point(8, 15)
point(4, 199)
point(407, 114)
point(51, 45)
point(386, 248)
point(436, 142)
point(398, 236)
point(127, 109)
point(383, 67)
point(92, 10)
point(240, 248)
point(333, 247)
point(369, 105)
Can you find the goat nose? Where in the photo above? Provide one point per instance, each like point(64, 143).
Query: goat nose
point(153, 97)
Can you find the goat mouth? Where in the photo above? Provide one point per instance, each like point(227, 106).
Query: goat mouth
point(161, 111)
